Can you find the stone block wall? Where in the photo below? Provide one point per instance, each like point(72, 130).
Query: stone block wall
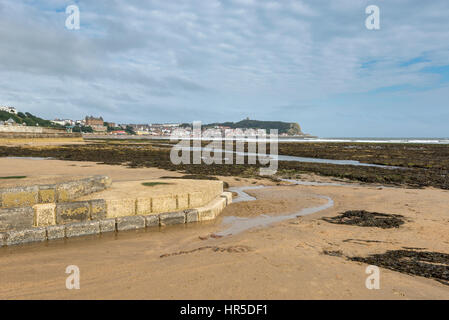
point(64, 220)
point(36, 135)
point(48, 212)
point(61, 192)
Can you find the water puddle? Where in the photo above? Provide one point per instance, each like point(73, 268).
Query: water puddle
point(242, 195)
point(336, 184)
point(268, 157)
point(237, 225)
point(317, 184)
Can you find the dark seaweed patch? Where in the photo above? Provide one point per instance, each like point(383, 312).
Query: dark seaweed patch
point(434, 265)
point(364, 218)
point(427, 165)
point(333, 253)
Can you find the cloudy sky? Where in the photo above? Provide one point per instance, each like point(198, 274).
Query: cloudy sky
point(307, 61)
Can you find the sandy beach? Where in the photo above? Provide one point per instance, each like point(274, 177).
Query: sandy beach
point(285, 260)
point(278, 151)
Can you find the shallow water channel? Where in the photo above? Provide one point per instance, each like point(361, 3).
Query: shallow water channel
point(235, 225)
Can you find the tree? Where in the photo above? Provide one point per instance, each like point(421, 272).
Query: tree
point(129, 130)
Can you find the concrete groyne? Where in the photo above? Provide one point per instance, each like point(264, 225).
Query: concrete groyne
point(30, 195)
point(28, 134)
point(86, 207)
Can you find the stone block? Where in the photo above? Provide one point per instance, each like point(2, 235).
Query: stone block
point(108, 225)
point(196, 199)
point(164, 204)
point(143, 206)
point(88, 185)
point(19, 197)
point(221, 204)
point(98, 210)
point(170, 218)
point(3, 236)
point(183, 201)
point(44, 214)
point(191, 215)
point(130, 223)
point(69, 212)
point(220, 187)
point(151, 220)
point(26, 236)
point(16, 218)
point(205, 214)
point(211, 210)
point(106, 181)
point(103, 181)
point(69, 190)
point(96, 184)
point(47, 193)
point(202, 198)
point(61, 194)
point(120, 207)
point(82, 228)
point(228, 197)
point(55, 232)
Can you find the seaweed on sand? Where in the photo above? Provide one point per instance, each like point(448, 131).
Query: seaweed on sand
point(434, 265)
point(364, 218)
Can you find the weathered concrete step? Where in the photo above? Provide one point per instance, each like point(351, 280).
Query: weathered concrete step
point(47, 214)
point(23, 196)
point(166, 195)
point(134, 222)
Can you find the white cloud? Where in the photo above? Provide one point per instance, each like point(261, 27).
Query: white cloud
point(244, 55)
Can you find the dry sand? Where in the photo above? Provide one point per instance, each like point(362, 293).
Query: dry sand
point(282, 261)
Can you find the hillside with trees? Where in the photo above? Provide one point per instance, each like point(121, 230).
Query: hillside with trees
point(28, 119)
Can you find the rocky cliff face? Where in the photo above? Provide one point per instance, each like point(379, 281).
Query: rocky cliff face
point(295, 129)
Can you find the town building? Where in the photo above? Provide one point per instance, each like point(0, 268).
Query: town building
point(118, 132)
point(97, 124)
point(9, 109)
point(92, 121)
point(64, 122)
point(10, 122)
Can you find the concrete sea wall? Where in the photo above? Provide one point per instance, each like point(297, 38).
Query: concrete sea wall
point(37, 135)
point(60, 192)
point(29, 129)
point(59, 221)
point(23, 134)
point(48, 212)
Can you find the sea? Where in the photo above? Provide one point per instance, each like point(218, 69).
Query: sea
point(295, 139)
point(369, 140)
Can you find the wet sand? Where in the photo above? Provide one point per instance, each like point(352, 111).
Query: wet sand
point(282, 261)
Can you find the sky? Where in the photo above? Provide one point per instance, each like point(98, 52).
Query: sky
point(313, 62)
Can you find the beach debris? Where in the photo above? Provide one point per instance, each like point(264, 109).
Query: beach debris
point(185, 252)
point(212, 235)
point(230, 249)
point(216, 236)
point(367, 242)
point(362, 240)
point(333, 253)
point(364, 218)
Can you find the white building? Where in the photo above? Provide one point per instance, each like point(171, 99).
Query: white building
point(64, 122)
point(8, 109)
